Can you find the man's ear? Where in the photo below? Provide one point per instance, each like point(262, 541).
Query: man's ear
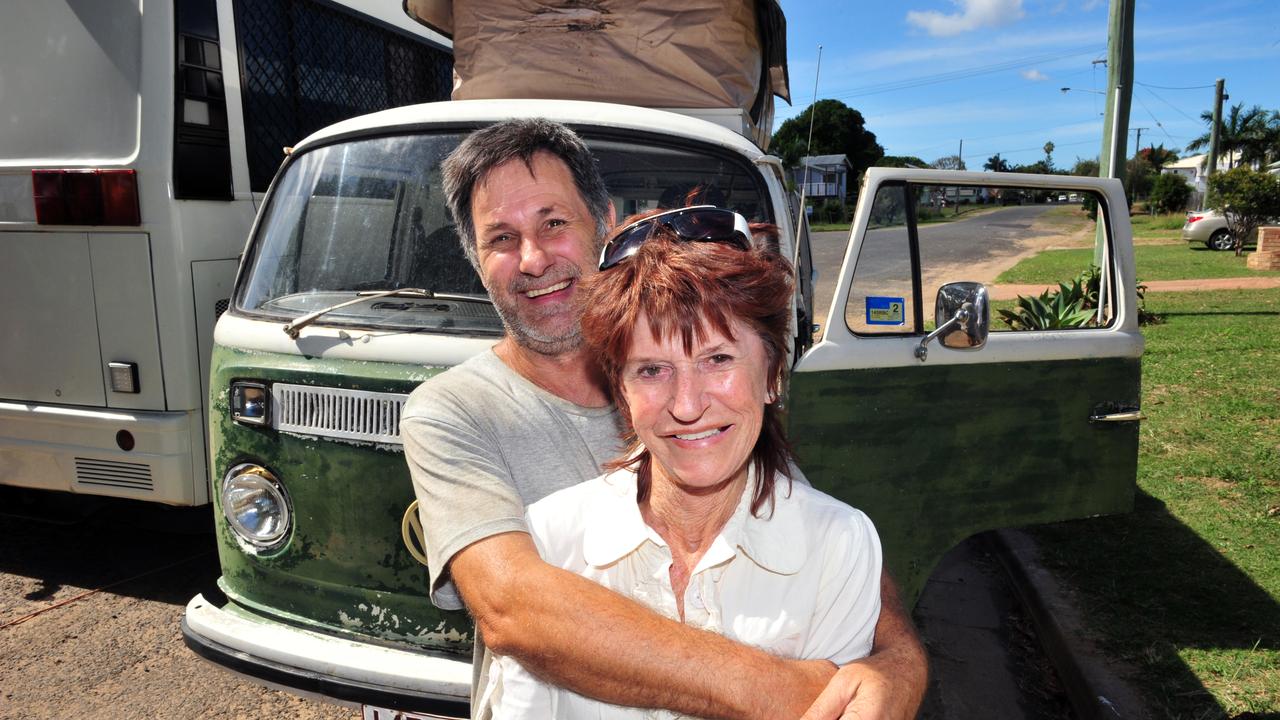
point(613, 219)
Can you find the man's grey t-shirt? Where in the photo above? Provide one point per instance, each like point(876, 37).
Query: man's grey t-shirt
point(482, 442)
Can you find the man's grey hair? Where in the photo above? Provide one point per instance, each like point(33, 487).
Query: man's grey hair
point(486, 149)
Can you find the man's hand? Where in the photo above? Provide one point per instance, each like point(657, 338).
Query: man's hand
point(889, 684)
point(859, 691)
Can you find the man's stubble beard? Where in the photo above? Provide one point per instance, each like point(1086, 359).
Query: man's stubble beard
point(523, 329)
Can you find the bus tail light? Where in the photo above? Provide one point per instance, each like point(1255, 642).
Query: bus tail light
point(86, 197)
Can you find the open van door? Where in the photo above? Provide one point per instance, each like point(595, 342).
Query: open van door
point(939, 437)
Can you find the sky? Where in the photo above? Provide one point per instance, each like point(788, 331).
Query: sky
point(926, 74)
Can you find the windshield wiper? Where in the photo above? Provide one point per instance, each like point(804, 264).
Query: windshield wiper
point(293, 328)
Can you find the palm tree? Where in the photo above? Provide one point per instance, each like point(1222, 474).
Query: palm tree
point(1048, 155)
point(995, 163)
point(1240, 132)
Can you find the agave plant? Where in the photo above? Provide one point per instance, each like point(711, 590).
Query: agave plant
point(1070, 306)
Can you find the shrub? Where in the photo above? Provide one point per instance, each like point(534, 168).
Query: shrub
point(1070, 306)
point(1169, 193)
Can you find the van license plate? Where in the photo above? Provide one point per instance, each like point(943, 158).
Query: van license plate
point(377, 713)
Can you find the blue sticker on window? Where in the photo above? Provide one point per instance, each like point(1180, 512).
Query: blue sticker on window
point(885, 311)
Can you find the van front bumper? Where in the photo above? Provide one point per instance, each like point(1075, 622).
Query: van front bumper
point(337, 669)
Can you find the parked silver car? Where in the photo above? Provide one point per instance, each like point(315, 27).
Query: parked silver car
point(1208, 227)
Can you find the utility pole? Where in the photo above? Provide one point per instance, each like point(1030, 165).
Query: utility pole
point(1137, 150)
point(1137, 145)
point(1115, 129)
point(1218, 97)
point(959, 166)
point(1119, 90)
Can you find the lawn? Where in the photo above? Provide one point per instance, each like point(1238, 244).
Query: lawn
point(1157, 228)
point(1186, 589)
point(1154, 262)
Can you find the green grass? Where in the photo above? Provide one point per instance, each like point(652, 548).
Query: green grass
point(1154, 262)
point(1186, 589)
point(1158, 227)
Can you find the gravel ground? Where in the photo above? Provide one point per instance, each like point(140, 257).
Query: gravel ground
point(118, 652)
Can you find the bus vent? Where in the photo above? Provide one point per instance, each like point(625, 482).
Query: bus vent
point(336, 413)
point(221, 307)
point(111, 473)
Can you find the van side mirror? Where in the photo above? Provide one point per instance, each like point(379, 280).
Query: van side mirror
point(962, 316)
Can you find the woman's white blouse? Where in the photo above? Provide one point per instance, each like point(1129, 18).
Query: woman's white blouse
point(803, 582)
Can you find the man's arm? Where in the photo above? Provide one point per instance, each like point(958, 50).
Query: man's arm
point(576, 634)
point(890, 683)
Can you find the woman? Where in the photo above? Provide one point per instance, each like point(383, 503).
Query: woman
point(700, 519)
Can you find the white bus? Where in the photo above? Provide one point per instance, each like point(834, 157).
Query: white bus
point(134, 147)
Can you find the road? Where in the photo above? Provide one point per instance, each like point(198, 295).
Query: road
point(89, 614)
point(973, 248)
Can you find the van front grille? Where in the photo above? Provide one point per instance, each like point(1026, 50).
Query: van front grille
point(336, 413)
point(112, 473)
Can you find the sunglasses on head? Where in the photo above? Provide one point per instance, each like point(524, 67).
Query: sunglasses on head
point(700, 223)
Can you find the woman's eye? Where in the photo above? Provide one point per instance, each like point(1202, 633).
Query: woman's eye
point(721, 358)
point(649, 371)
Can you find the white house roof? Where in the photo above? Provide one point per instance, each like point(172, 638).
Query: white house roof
point(1196, 161)
point(825, 160)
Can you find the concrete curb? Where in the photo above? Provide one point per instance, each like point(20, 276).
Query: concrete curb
point(1011, 292)
point(1094, 688)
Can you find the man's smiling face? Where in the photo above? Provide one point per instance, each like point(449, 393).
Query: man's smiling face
point(535, 238)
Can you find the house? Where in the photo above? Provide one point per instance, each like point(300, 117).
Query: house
point(828, 176)
point(1192, 169)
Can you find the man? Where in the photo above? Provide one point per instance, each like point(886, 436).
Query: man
point(531, 416)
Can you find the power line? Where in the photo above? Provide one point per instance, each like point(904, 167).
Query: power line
point(1163, 87)
point(1153, 117)
point(1156, 95)
point(962, 74)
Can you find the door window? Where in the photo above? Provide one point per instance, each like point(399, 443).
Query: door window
point(1039, 251)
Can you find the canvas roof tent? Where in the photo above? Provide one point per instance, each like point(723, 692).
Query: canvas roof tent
point(697, 54)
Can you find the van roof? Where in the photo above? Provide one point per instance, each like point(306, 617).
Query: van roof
point(570, 112)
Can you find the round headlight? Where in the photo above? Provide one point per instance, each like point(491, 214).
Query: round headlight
point(255, 505)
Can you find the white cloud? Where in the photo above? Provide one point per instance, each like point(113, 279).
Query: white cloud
point(972, 14)
point(1033, 74)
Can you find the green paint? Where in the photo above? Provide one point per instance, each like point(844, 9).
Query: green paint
point(934, 454)
point(344, 568)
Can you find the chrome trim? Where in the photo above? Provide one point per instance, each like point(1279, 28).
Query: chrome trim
point(337, 413)
point(1126, 416)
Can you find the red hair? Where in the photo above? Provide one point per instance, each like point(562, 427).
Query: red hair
point(686, 290)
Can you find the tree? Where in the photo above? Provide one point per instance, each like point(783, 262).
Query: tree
point(1169, 193)
point(1085, 167)
point(837, 130)
point(1241, 131)
point(1138, 175)
point(1247, 199)
point(948, 162)
point(1048, 155)
point(1157, 156)
point(995, 163)
point(901, 161)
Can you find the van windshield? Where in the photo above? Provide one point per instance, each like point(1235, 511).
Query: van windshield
point(368, 216)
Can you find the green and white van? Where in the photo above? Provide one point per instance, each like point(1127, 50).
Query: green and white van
point(904, 399)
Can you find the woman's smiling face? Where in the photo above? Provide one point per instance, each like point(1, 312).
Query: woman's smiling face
point(699, 413)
